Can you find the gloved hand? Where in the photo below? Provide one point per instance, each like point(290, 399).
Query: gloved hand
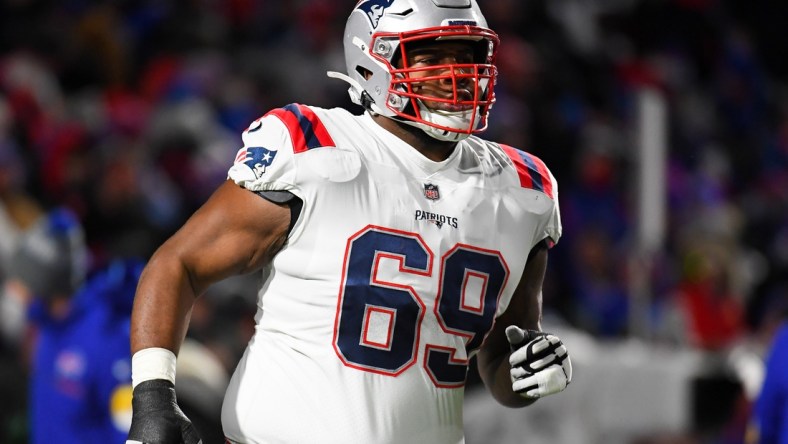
point(540, 363)
point(156, 417)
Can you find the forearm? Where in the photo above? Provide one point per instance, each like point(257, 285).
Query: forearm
point(162, 305)
point(495, 375)
point(524, 311)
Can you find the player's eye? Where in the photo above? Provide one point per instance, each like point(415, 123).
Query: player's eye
point(425, 60)
point(464, 58)
point(447, 59)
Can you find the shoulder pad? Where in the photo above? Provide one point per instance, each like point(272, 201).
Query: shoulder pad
point(532, 171)
point(305, 128)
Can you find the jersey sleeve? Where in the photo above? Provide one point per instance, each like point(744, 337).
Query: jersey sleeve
point(267, 160)
point(533, 174)
point(553, 228)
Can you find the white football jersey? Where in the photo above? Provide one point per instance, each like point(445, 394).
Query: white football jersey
point(393, 275)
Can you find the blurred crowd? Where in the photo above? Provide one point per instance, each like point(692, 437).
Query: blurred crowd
point(129, 113)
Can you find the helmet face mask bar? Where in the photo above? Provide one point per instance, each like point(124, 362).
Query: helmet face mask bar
point(461, 114)
point(376, 54)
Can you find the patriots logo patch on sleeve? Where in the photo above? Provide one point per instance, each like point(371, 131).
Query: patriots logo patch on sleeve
point(256, 158)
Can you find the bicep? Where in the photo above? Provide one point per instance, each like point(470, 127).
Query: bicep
point(234, 232)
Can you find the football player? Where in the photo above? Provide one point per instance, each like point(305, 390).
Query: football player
point(392, 246)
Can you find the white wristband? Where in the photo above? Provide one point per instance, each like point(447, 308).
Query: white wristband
point(152, 363)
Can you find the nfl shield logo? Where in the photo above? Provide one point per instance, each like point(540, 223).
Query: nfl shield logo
point(431, 191)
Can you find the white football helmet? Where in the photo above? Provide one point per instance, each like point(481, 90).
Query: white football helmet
point(378, 34)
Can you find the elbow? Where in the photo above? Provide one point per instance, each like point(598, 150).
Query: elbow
point(167, 269)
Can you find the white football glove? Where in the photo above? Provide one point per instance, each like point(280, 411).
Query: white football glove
point(540, 363)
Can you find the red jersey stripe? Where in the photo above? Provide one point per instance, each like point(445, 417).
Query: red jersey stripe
point(305, 128)
point(531, 170)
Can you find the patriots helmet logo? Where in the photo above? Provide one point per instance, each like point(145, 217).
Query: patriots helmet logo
point(374, 9)
point(256, 158)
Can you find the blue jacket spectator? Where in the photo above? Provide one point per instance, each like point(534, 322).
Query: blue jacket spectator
point(80, 383)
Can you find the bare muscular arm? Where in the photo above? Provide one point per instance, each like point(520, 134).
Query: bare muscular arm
point(234, 232)
point(525, 311)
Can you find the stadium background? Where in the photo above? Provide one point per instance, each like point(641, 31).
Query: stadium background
point(130, 112)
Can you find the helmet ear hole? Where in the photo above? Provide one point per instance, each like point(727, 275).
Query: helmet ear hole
point(364, 72)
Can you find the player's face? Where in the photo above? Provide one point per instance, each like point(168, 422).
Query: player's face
point(447, 70)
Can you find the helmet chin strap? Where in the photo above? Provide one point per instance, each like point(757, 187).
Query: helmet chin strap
point(436, 133)
point(448, 119)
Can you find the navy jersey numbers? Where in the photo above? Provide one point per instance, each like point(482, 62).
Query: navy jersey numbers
point(379, 319)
